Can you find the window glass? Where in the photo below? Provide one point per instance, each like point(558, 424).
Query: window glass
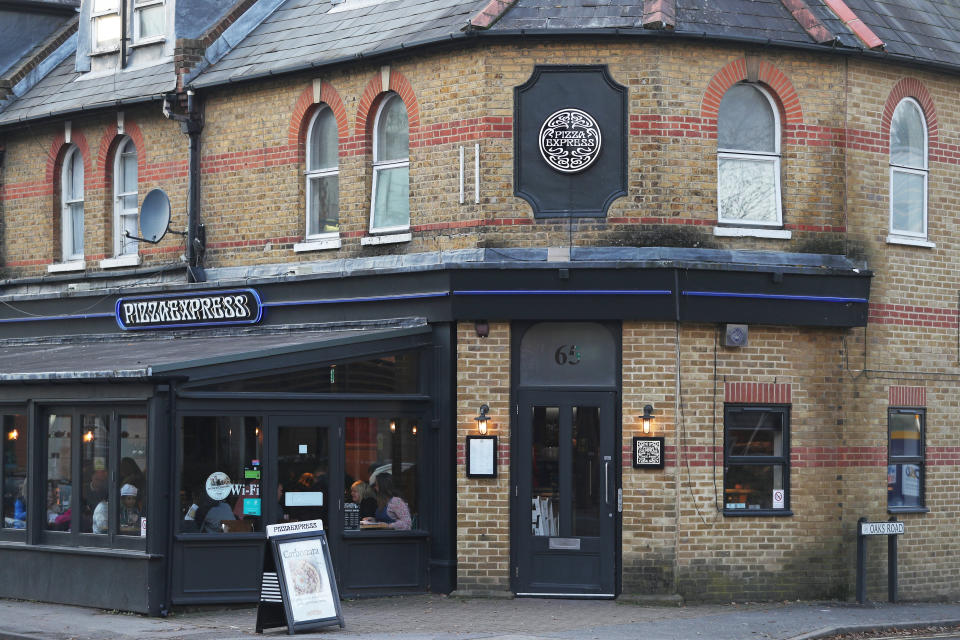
point(106, 24)
point(392, 198)
point(755, 458)
point(72, 196)
point(398, 373)
point(393, 131)
point(746, 121)
point(150, 20)
point(747, 190)
point(568, 353)
point(323, 141)
point(125, 191)
point(908, 136)
point(905, 465)
point(132, 474)
point(323, 204)
point(908, 170)
point(94, 491)
point(907, 197)
point(391, 173)
point(220, 474)
point(748, 167)
point(14, 470)
point(59, 472)
point(383, 453)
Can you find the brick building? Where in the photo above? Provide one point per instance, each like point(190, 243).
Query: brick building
point(390, 223)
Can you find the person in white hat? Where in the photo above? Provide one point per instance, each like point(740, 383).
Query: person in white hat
point(129, 510)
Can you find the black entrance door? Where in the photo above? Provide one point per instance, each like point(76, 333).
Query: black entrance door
point(309, 475)
point(567, 476)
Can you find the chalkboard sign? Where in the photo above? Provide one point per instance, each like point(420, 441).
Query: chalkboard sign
point(298, 588)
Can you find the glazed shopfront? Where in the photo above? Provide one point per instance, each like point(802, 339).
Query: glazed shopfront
point(147, 462)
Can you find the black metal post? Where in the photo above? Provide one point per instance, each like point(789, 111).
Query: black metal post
point(861, 563)
point(892, 565)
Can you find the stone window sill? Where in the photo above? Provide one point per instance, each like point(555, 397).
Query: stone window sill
point(913, 242)
point(317, 244)
point(130, 260)
point(750, 232)
point(391, 238)
point(61, 267)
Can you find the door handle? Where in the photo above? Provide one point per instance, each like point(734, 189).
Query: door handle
point(606, 482)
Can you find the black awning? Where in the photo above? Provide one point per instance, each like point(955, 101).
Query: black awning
point(99, 358)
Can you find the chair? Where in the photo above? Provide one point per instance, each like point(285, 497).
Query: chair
point(236, 526)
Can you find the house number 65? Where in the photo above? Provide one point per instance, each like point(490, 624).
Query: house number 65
point(564, 355)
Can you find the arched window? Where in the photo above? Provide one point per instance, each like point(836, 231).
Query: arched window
point(71, 198)
point(748, 158)
point(125, 199)
point(908, 171)
point(390, 207)
point(323, 180)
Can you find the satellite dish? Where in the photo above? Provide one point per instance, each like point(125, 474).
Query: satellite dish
point(154, 216)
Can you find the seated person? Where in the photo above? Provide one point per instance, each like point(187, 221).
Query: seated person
point(129, 511)
point(391, 508)
point(363, 495)
point(210, 513)
point(20, 507)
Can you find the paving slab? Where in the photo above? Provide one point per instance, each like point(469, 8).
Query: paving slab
point(436, 617)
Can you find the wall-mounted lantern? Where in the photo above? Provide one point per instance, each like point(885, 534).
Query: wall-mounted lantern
point(482, 420)
point(647, 419)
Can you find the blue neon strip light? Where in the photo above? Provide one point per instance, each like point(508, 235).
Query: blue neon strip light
point(403, 296)
point(563, 292)
point(85, 316)
point(770, 296)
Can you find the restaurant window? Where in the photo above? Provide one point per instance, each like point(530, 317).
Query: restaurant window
point(905, 459)
point(748, 158)
point(13, 473)
point(390, 207)
point(756, 475)
point(908, 171)
point(220, 474)
point(382, 470)
point(96, 476)
point(322, 175)
point(397, 373)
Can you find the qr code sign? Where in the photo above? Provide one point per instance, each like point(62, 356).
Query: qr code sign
point(649, 452)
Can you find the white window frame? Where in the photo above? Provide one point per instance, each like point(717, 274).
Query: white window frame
point(119, 213)
point(379, 166)
point(899, 235)
point(311, 176)
point(755, 156)
point(139, 5)
point(69, 252)
point(96, 16)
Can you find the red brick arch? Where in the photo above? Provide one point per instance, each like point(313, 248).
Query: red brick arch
point(303, 110)
point(910, 88)
point(370, 100)
point(774, 79)
point(55, 154)
point(108, 146)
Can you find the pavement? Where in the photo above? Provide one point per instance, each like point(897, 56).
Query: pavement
point(436, 617)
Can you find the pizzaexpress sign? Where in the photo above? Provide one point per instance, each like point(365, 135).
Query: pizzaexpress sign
point(236, 306)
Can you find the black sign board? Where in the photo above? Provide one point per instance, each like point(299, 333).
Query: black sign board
point(570, 141)
point(648, 453)
point(203, 309)
point(298, 587)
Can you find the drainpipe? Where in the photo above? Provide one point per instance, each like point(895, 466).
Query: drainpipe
point(192, 125)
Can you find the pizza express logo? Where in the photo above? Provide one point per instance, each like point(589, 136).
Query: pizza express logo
point(240, 306)
point(570, 140)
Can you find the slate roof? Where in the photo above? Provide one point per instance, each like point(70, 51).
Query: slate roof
point(65, 91)
point(303, 33)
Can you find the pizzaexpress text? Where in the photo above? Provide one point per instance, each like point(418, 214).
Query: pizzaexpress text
point(225, 307)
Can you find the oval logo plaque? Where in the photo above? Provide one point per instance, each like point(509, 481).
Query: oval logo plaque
point(570, 140)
